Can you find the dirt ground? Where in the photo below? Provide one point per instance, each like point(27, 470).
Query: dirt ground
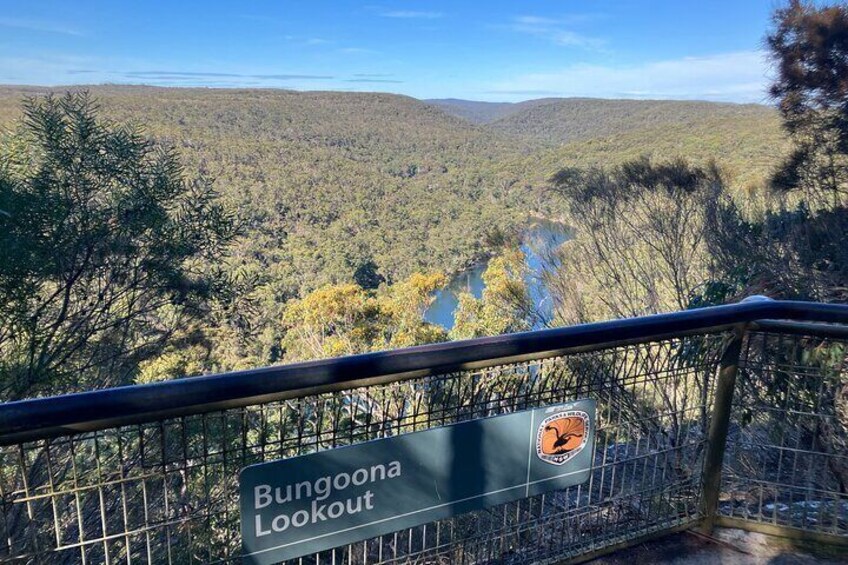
point(725, 547)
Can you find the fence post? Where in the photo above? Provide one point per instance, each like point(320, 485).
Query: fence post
point(719, 425)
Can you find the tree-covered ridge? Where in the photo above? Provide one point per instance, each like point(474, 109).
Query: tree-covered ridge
point(348, 197)
point(554, 121)
point(745, 139)
point(746, 147)
point(481, 112)
point(330, 181)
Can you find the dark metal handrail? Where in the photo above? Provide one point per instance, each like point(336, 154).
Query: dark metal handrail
point(48, 417)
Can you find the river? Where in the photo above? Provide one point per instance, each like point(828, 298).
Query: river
point(538, 239)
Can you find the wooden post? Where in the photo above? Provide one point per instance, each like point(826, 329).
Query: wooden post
point(719, 425)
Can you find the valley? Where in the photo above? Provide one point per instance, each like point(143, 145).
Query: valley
point(332, 188)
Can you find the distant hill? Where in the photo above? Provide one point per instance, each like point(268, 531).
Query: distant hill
point(557, 121)
point(746, 148)
point(474, 111)
point(329, 181)
point(746, 139)
point(562, 120)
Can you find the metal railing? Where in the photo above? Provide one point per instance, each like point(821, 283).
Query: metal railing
point(710, 416)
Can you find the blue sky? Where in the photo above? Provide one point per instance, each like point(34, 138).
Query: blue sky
point(484, 50)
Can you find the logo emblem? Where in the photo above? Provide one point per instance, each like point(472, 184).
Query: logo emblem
point(561, 436)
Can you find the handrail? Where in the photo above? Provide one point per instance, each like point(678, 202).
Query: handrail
point(42, 418)
point(800, 328)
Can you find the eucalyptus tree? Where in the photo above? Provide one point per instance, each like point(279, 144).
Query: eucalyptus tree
point(106, 248)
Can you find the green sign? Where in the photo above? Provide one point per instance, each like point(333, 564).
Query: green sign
point(298, 506)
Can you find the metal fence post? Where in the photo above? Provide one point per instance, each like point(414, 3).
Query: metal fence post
point(719, 425)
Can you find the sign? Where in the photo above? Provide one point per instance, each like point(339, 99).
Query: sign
point(306, 504)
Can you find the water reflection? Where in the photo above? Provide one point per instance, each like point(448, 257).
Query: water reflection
point(537, 241)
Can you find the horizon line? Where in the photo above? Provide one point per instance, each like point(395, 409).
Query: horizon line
point(383, 92)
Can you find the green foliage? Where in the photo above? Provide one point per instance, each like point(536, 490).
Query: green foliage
point(173, 364)
point(346, 319)
point(329, 182)
point(103, 249)
point(809, 44)
point(504, 307)
point(403, 305)
point(343, 188)
point(797, 250)
point(746, 147)
point(477, 112)
point(559, 121)
point(745, 139)
point(792, 253)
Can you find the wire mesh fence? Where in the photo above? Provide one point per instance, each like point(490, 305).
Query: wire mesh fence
point(167, 491)
point(787, 458)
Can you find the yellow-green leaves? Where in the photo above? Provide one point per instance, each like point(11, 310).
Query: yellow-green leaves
point(505, 305)
point(345, 319)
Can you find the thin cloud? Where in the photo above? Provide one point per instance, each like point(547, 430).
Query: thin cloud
point(373, 75)
point(40, 26)
point(358, 51)
point(375, 80)
point(524, 92)
point(291, 77)
point(167, 75)
point(257, 18)
point(568, 20)
point(737, 77)
point(536, 21)
point(192, 82)
point(44, 69)
point(413, 15)
point(178, 74)
point(555, 30)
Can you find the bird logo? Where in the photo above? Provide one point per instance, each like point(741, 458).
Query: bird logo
point(561, 436)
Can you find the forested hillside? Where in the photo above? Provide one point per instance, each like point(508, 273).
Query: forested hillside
point(366, 190)
point(556, 121)
point(746, 144)
point(746, 139)
point(479, 112)
point(331, 182)
point(328, 182)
